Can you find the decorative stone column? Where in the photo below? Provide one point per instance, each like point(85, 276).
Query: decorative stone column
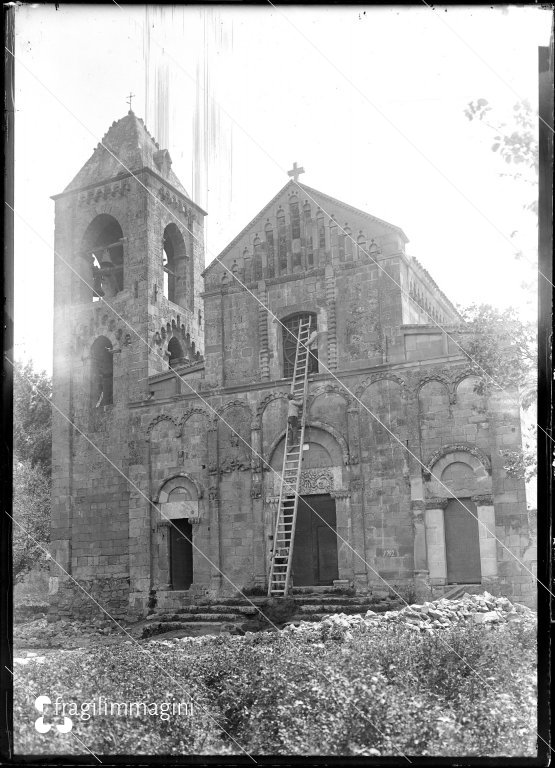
point(419, 526)
point(356, 486)
point(258, 539)
point(163, 577)
point(421, 573)
point(486, 535)
point(345, 545)
point(214, 508)
point(271, 508)
point(435, 540)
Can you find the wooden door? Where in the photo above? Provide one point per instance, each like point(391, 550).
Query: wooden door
point(315, 546)
point(462, 546)
point(181, 554)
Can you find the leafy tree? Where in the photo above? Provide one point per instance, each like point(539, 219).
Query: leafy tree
point(502, 349)
point(31, 511)
point(515, 140)
point(32, 466)
point(32, 416)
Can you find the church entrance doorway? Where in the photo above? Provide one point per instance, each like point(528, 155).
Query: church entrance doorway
point(462, 545)
point(315, 549)
point(181, 554)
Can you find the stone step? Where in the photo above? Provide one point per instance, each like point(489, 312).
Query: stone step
point(248, 610)
point(182, 628)
point(181, 618)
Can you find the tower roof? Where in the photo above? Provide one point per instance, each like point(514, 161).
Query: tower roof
point(133, 146)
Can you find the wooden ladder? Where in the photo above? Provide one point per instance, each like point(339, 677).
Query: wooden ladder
point(284, 536)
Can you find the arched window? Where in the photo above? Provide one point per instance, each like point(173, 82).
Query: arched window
point(270, 249)
point(103, 249)
point(290, 334)
point(175, 350)
point(257, 260)
point(282, 242)
point(174, 264)
point(102, 372)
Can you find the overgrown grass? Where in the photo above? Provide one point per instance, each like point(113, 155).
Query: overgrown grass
point(375, 689)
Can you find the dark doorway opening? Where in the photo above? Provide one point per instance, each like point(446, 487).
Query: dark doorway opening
point(181, 554)
point(462, 545)
point(315, 547)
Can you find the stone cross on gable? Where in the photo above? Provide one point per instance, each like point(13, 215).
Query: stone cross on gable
point(129, 98)
point(295, 172)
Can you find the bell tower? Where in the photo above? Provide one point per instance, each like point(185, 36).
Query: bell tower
point(129, 251)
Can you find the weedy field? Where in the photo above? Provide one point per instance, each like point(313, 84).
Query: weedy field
point(402, 683)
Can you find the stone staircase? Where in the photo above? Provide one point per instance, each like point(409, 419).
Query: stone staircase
point(237, 615)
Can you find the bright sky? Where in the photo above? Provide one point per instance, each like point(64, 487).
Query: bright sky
point(386, 133)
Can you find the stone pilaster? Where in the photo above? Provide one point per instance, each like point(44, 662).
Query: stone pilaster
point(332, 318)
point(486, 535)
point(435, 540)
point(264, 347)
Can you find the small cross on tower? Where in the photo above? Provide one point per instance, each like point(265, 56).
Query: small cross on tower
point(295, 172)
point(129, 98)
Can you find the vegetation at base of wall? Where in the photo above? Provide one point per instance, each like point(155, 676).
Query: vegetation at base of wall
point(328, 690)
point(31, 513)
point(32, 415)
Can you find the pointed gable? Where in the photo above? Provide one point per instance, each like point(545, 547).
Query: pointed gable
point(355, 219)
point(127, 146)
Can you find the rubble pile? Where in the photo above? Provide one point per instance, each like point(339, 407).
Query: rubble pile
point(483, 609)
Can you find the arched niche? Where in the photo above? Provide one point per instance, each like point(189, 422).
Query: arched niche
point(460, 473)
point(175, 352)
point(383, 418)
point(434, 412)
point(326, 456)
point(175, 266)
point(102, 259)
point(329, 407)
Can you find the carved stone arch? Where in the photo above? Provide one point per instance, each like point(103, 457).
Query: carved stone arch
point(257, 422)
point(101, 331)
point(234, 404)
point(471, 450)
point(337, 436)
point(157, 420)
point(460, 377)
point(187, 415)
point(328, 389)
point(363, 386)
point(434, 377)
point(181, 479)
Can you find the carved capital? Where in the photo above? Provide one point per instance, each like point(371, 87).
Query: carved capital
point(355, 484)
point(483, 499)
point(436, 503)
point(272, 499)
point(164, 524)
point(341, 493)
point(417, 506)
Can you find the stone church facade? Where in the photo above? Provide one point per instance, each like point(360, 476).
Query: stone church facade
point(166, 472)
